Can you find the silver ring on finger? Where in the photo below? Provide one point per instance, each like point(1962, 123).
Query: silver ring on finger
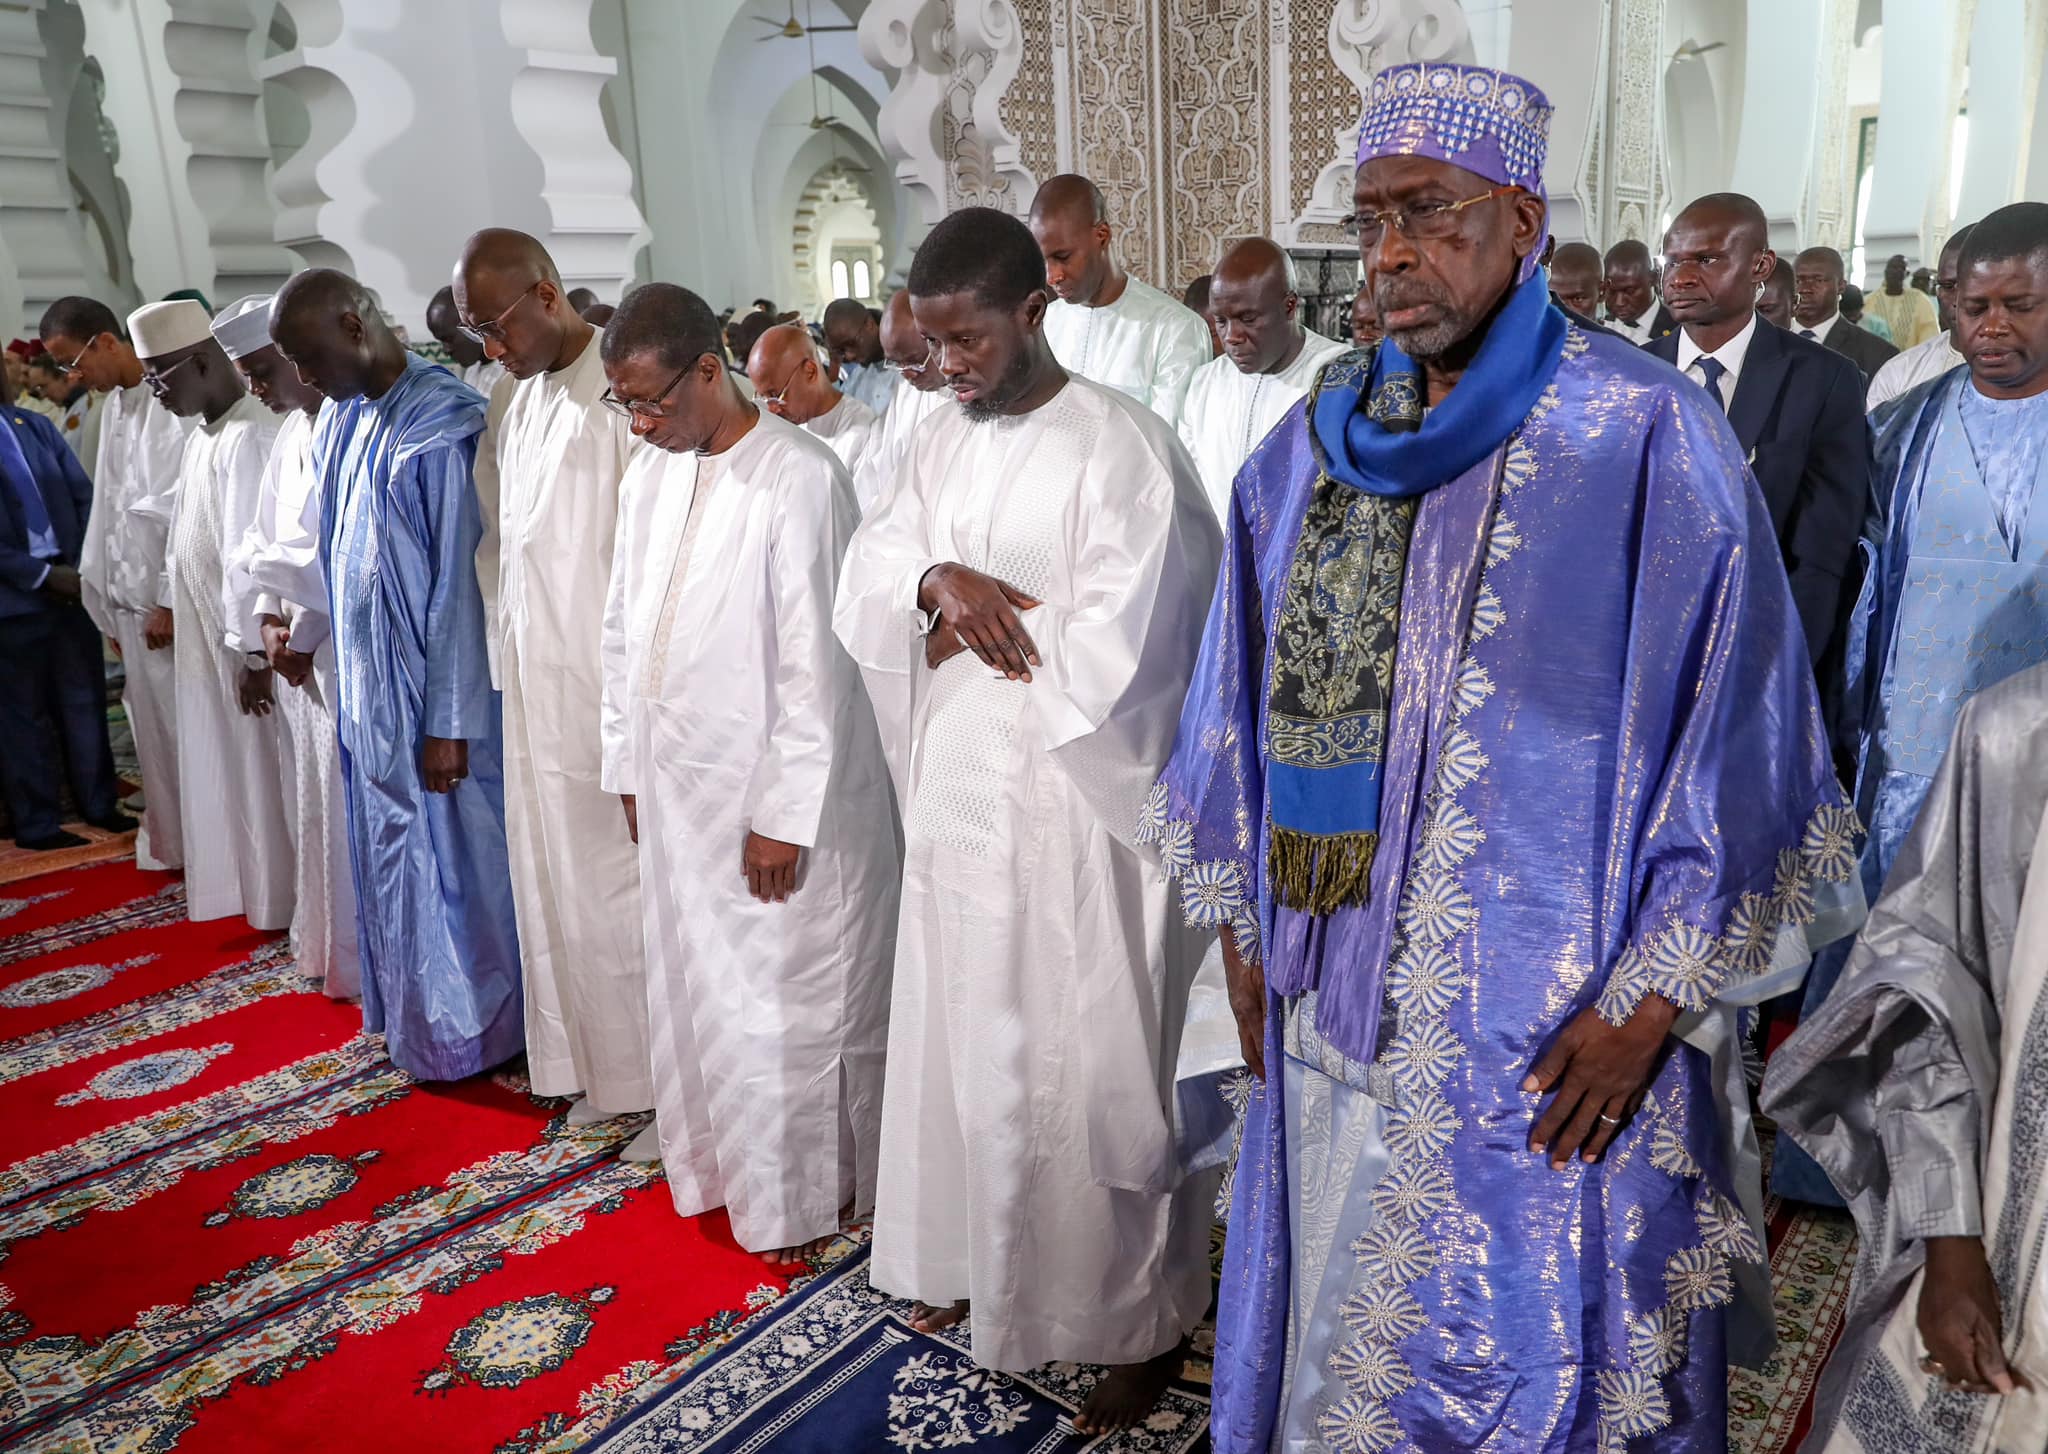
point(1608, 1120)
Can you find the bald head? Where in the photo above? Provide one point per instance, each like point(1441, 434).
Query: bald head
point(1070, 222)
point(905, 347)
point(1254, 308)
point(509, 292)
point(1717, 257)
point(327, 324)
point(1070, 195)
point(1575, 276)
point(786, 376)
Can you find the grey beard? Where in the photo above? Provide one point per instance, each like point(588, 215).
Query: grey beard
point(1427, 343)
point(982, 411)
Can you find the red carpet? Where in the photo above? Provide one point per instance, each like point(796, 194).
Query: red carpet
point(228, 1223)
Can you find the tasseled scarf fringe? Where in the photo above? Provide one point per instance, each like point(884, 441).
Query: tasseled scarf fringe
point(1320, 873)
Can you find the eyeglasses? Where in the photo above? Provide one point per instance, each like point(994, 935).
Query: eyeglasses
point(493, 331)
point(654, 408)
point(77, 364)
point(931, 352)
point(157, 378)
point(781, 395)
point(1424, 221)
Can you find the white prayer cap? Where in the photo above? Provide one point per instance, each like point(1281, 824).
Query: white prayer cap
point(161, 328)
point(243, 326)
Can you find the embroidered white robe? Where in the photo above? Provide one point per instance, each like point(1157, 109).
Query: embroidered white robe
point(1229, 411)
point(730, 709)
point(1043, 966)
point(1145, 344)
point(848, 429)
point(575, 876)
point(275, 570)
point(238, 847)
point(884, 459)
point(121, 570)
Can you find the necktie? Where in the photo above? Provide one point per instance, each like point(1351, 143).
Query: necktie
point(35, 518)
point(1712, 370)
point(1809, 333)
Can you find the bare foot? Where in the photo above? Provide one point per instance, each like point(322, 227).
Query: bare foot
point(928, 1319)
point(1130, 1391)
point(803, 1253)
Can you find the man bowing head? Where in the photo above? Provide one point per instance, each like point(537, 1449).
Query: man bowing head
point(1025, 606)
point(417, 715)
point(559, 457)
point(737, 733)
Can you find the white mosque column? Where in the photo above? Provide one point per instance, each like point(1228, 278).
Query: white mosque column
point(413, 142)
point(1925, 45)
point(42, 245)
point(1776, 146)
point(2005, 81)
point(1364, 37)
point(1632, 166)
point(1827, 219)
point(183, 95)
point(594, 225)
point(907, 38)
point(1563, 42)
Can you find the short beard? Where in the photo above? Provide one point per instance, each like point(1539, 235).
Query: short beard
point(1006, 389)
point(1435, 341)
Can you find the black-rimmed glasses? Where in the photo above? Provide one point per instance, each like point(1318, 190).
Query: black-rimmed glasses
point(655, 408)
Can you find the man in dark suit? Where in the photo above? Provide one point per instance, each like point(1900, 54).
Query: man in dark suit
point(1818, 278)
point(1630, 289)
point(1796, 407)
point(53, 689)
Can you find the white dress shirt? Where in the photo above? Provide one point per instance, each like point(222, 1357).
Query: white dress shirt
point(1820, 331)
point(1637, 332)
point(1730, 356)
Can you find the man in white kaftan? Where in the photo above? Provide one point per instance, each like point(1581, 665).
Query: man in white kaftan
point(238, 849)
point(121, 567)
point(1269, 360)
point(559, 456)
point(1106, 325)
point(1055, 530)
point(790, 383)
point(276, 608)
point(920, 392)
point(738, 733)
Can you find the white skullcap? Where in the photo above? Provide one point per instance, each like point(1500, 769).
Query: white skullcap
point(243, 326)
point(161, 328)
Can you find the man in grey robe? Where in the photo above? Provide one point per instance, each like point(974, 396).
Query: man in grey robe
point(1921, 1088)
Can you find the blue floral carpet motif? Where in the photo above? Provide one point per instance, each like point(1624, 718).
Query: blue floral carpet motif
point(838, 1368)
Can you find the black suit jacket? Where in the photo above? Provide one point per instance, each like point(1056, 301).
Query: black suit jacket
point(1798, 411)
point(1858, 345)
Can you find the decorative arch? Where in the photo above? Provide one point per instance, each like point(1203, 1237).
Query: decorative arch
point(835, 205)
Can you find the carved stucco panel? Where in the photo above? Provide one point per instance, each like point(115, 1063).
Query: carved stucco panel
point(1114, 69)
point(1216, 133)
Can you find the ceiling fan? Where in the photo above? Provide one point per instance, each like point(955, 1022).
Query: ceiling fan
point(792, 28)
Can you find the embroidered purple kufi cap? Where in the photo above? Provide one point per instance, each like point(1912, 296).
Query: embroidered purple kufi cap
point(1493, 124)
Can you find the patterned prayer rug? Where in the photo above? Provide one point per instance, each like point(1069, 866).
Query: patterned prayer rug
point(228, 1223)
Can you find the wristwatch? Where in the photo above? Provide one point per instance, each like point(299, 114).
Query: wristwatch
point(255, 661)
